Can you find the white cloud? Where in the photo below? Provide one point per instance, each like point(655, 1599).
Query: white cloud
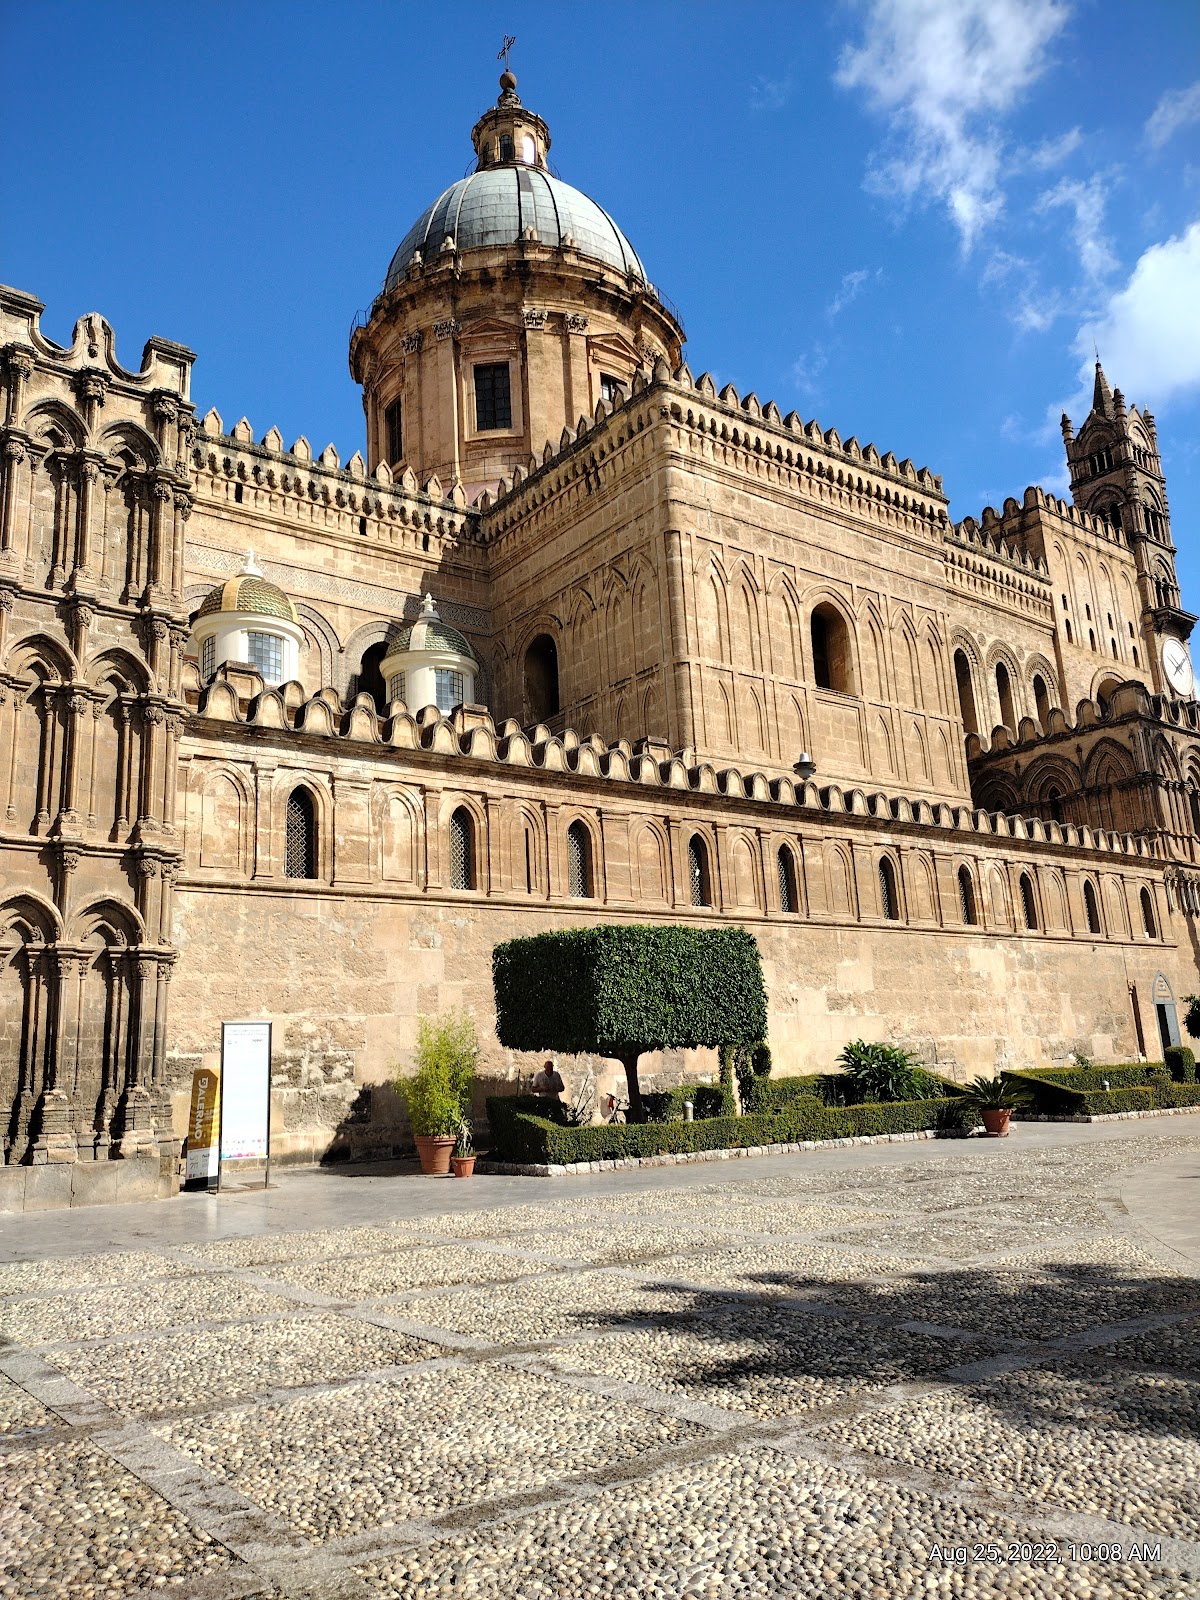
point(807, 369)
point(1053, 152)
point(1086, 201)
point(851, 287)
point(1175, 110)
point(938, 69)
point(1148, 334)
point(770, 94)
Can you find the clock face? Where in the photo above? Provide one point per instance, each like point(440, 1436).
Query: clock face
point(1177, 667)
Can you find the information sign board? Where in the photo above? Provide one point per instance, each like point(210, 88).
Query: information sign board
point(246, 1092)
point(201, 1167)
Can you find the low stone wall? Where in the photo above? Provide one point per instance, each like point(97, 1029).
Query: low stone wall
point(59, 1185)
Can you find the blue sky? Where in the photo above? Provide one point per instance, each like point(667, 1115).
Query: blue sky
point(907, 218)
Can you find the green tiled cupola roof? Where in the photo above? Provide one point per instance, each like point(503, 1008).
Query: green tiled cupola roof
point(249, 591)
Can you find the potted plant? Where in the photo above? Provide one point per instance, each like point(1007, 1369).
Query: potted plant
point(995, 1099)
point(463, 1157)
point(437, 1095)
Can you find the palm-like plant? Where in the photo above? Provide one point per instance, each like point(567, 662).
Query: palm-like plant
point(995, 1094)
point(882, 1072)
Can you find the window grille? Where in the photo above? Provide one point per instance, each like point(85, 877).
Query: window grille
point(966, 897)
point(787, 886)
point(887, 890)
point(462, 851)
point(396, 686)
point(579, 862)
point(208, 657)
point(300, 859)
point(698, 872)
point(393, 420)
point(1028, 902)
point(493, 397)
point(447, 688)
point(266, 654)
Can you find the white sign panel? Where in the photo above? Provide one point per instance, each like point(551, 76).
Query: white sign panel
point(245, 1091)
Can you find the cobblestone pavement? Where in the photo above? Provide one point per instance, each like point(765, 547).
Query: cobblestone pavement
point(962, 1369)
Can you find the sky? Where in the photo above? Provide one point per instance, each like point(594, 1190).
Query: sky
point(914, 220)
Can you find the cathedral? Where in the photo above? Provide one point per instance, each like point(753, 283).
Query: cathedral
point(575, 636)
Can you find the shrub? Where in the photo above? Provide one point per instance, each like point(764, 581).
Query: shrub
point(760, 1060)
point(530, 1138)
point(621, 991)
point(1181, 1062)
point(708, 1100)
point(879, 1072)
point(1082, 1095)
point(1191, 1017)
point(437, 1095)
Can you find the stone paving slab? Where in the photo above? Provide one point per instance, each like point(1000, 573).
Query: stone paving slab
point(100, 1313)
point(765, 1360)
point(1116, 1445)
point(20, 1412)
point(189, 1371)
point(373, 1277)
point(74, 1523)
point(90, 1271)
point(750, 1525)
point(373, 1454)
point(312, 1244)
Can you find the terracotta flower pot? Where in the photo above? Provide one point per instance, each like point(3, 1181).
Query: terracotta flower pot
point(435, 1154)
point(464, 1166)
point(995, 1122)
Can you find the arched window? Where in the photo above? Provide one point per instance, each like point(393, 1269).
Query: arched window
point(889, 900)
point(1091, 908)
point(966, 692)
point(831, 650)
point(541, 679)
point(1054, 801)
point(300, 847)
point(579, 862)
point(789, 897)
point(1194, 809)
point(1028, 901)
point(369, 679)
point(1148, 919)
point(462, 850)
point(698, 874)
point(1008, 715)
point(529, 849)
point(1041, 699)
point(966, 897)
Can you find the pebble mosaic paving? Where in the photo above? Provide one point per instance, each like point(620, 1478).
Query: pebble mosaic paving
point(906, 1378)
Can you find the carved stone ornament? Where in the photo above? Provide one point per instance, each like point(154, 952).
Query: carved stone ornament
point(6, 599)
point(162, 491)
point(14, 450)
point(166, 408)
point(91, 386)
point(153, 715)
point(89, 471)
point(576, 322)
point(448, 328)
point(535, 319)
point(69, 856)
point(183, 505)
point(412, 342)
point(77, 703)
point(19, 360)
point(146, 867)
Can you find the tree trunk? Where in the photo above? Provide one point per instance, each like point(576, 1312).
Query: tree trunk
point(629, 1061)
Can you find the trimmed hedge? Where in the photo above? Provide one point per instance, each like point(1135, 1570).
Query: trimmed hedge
point(612, 989)
point(708, 1100)
point(1078, 1092)
point(773, 1094)
point(1181, 1062)
point(524, 1137)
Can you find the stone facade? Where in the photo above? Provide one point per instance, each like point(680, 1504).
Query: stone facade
point(672, 595)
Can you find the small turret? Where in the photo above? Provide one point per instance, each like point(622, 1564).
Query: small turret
point(1068, 428)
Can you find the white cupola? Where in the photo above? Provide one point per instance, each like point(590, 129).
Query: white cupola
point(430, 664)
point(250, 621)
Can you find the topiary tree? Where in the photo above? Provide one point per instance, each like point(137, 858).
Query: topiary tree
point(621, 991)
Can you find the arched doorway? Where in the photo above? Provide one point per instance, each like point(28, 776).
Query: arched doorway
point(369, 678)
point(1166, 1014)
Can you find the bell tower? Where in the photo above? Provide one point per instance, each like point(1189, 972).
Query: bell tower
point(1117, 475)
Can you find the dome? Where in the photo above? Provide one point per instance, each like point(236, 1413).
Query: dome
point(429, 632)
point(496, 205)
point(249, 592)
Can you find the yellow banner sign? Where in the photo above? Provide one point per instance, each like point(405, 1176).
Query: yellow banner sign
point(202, 1127)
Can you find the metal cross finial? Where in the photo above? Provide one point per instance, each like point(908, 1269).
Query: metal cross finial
point(510, 39)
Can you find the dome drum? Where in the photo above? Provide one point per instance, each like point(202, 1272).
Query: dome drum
point(430, 664)
point(249, 621)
